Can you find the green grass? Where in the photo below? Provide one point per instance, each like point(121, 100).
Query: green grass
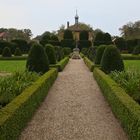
point(132, 64)
point(12, 65)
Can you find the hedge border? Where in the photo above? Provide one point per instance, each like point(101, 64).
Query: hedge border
point(16, 114)
point(61, 64)
point(123, 106)
point(130, 57)
point(89, 63)
point(14, 58)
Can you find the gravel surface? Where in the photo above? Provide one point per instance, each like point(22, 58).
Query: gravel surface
point(74, 109)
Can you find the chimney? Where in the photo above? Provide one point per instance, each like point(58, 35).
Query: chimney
point(68, 24)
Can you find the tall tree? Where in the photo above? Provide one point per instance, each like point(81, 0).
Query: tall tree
point(131, 30)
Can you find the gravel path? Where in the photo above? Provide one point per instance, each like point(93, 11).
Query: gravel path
point(74, 110)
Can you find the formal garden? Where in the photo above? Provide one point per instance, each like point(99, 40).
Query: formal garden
point(29, 68)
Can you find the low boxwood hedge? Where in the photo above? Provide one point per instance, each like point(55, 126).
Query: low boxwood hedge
point(15, 115)
point(89, 63)
point(14, 58)
point(61, 64)
point(82, 55)
point(130, 57)
point(123, 106)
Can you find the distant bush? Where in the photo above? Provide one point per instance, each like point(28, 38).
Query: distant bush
point(84, 51)
point(136, 50)
point(99, 54)
point(50, 51)
point(111, 60)
point(91, 53)
point(6, 52)
point(68, 34)
point(37, 60)
point(18, 52)
point(84, 44)
point(67, 51)
point(59, 52)
point(84, 35)
point(68, 43)
point(0, 51)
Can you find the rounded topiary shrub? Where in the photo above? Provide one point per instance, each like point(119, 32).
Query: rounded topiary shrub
point(99, 54)
point(6, 52)
point(37, 59)
point(50, 50)
point(111, 60)
point(17, 52)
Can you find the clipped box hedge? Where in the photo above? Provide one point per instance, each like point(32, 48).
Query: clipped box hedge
point(14, 58)
point(61, 64)
point(82, 55)
point(130, 57)
point(15, 115)
point(89, 63)
point(123, 106)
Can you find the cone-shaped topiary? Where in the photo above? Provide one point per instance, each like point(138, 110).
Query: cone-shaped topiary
point(99, 54)
point(18, 52)
point(6, 52)
point(37, 60)
point(50, 50)
point(111, 60)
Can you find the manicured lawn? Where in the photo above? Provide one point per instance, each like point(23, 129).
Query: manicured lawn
point(12, 65)
point(132, 64)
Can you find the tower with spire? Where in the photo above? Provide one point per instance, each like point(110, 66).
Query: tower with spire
point(76, 18)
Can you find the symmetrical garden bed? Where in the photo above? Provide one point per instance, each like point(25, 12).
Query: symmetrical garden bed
point(13, 117)
point(123, 106)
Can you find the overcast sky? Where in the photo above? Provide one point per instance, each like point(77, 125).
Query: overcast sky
point(49, 15)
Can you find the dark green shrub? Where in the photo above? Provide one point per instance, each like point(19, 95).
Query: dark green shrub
point(68, 43)
point(6, 52)
point(0, 51)
point(99, 54)
point(136, 50)
point(120, 43)
point(84, 35)
point(59, 53)
point(102, 39)
point(84, 44)
point(61, 64)
point(37, 60)
point(22, 44)
point(111, 60)
point(91, 53)
point(84, 51)
point(67, 51)
point(50, 51)
point(68, 34)
point(18, 52)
